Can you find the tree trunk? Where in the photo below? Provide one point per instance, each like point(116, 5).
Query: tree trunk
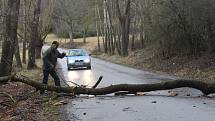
point(97, 29)
point(141, 34)
point(100, 26)
point(105, 27)
point(24, 51)
point(71, 37)
point(84, 36)
point(98, 41)
point(124, 50)
point(118, 42)
point(38, 51)
point(17, 54)
point(10, 37)
point(34, 36)
point(25, 33)
point(133, 35)
point(112, 43)
point(124, 21)
point(108, 6)
point(135, 25)
point(38, 48)
point(206, 88)
point(109, 40)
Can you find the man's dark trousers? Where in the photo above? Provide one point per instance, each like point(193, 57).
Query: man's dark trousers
point(53, 74)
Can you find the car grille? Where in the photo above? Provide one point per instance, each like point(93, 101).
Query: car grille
point(79, 60)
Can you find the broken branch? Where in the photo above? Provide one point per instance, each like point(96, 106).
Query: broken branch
point(97, 83)
point(206, 88)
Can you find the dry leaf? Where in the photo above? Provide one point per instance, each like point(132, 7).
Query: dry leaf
point(140, 94)
point(173, 94)
point(62, 102)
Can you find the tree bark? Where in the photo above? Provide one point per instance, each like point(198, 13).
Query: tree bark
point(84, 35)
point(10, 37)
point(38, 48)
point(25, 33)
point(24, 50)
point(97, 28)
point(17, 54)
point(70, 37)
point(124, 21)
point(141, 34)
point(105, 28)
point(118, 42)
point(100, 26)
point(133, 35)
point(34, 36)
point(205, 88)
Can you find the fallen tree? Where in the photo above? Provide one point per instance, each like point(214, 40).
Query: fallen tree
point(206, 88)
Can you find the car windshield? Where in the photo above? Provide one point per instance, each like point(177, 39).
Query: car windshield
point(77, 53)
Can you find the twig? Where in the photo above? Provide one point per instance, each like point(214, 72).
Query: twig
point(97, 83)
point(8, 95)
point(75, 83)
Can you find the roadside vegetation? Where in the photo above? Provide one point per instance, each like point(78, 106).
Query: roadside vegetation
point(172, 36)
point(196, 68)
point(22, 102)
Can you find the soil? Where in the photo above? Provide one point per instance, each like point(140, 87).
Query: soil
point(20, 102)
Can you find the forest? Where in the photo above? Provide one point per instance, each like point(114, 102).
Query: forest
point(168, 28)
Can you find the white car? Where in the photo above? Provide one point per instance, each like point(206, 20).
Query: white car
point(78, 58)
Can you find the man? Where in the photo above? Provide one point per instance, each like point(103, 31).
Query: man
point(49, 63)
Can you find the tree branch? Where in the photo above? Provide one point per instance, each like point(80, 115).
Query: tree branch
point(205, 88)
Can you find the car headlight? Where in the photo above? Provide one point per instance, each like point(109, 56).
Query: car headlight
point(87, 60)
point(71, 61)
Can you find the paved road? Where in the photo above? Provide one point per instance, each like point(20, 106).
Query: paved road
point(154, 106)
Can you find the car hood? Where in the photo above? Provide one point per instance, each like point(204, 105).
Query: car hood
point(78, 57)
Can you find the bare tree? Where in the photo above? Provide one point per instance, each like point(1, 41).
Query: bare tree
point(34, 36)
point(124, 22)
point(97, 25)
point(10, 37)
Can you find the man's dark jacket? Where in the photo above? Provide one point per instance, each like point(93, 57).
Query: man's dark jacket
point(50, 58)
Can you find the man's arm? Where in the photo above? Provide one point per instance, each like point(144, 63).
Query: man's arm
point(60, 55)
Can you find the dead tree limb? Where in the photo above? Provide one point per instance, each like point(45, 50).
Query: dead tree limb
point(206, 88)
point(5, 79)
point(97, 83)
point(8, 95)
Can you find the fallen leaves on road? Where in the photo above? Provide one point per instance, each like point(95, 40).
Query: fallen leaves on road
point(62, 102)
point(140, 94)
point(172, 94)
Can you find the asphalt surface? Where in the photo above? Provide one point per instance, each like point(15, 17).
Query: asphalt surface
point(189, 105)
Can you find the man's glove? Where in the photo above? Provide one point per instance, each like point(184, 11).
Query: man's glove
point(63, 54)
